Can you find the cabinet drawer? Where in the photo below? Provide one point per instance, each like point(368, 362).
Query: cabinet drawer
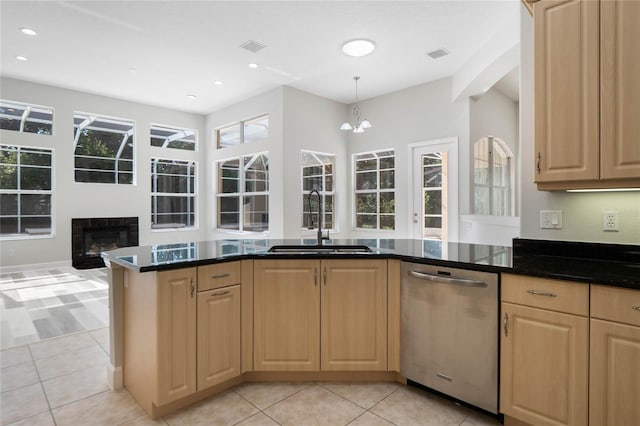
point(218, 275)
point(556, 295)
point(615, 304)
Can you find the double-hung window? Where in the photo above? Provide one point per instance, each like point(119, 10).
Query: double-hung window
point(26, 191)
point(173, 193)
point(27, 118)
point(103, 149)
point(375, 190)
point(318, 173)
point(243, 193)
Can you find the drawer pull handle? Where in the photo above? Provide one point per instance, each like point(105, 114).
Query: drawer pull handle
point(636, 308)
point(505, 324)
point(541, 293)
point(220, 275)
point(220, 293)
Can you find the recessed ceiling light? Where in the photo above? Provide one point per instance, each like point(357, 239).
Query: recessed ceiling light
point(253, 66)
point(192, 97)
point(217, 83)
point(28, 31)
point(133, 69)
point(358, 47)
point(22, 58)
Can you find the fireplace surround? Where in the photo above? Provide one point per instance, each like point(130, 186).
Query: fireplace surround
point(92, 236)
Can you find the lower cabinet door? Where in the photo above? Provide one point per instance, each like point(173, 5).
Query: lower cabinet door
point(614, 388)
point(544, 366)
point(176, 317)
point(218, 336)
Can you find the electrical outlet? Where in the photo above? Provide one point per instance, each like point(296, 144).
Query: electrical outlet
point(610, 220)
point(550, 219)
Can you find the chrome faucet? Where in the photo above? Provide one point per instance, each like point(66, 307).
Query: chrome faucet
point(320, 235)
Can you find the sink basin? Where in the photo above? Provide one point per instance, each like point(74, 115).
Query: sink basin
point(320, 249)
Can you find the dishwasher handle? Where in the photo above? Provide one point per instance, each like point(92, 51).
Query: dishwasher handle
point(440, 279)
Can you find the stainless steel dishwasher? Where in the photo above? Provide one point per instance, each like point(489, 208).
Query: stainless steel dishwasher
point(449, 332)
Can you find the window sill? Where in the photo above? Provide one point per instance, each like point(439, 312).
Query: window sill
point(16, 237)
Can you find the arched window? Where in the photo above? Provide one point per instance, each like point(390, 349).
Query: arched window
point(493, 177)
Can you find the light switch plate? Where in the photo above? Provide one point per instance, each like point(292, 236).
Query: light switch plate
point(550, 219)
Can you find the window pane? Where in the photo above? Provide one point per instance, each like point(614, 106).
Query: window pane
point(387, 163)
point(8, 177)
point(173, 137)
point(34, 157)
point(387, 222)
point(367, 180)
point(432, 176)
point(366, 203)
point(35, 178)
point(256, 213)
point(432, 222)
point(257, 129)
point(366, 221)
point(229, 136)
point(433, 202)
point(387, 202)
point(35, 225)
point(8, 204)
point(95, 177)
point(362, 165)
point(309, 184)
point(481, 200)
point(35, 204)
point(8, 225)
point(387, 179)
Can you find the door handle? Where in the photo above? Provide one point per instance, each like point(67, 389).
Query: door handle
point(505, 324)
point(439, 279)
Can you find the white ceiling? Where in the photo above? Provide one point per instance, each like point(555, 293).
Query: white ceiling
point(181, 47)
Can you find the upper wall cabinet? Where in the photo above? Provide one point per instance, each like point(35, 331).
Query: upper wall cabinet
point(587, 94)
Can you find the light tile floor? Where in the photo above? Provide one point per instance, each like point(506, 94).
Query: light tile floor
point(46, 303)
point(62, 381)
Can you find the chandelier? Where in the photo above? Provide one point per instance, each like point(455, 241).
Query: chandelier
point(357, 125)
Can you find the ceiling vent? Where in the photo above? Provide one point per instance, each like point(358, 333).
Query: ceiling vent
point(439, 53)
point(252, 46)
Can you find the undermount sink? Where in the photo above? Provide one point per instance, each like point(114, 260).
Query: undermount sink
point(319, 249)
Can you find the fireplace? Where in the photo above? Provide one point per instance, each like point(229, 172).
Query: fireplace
point(92, 236)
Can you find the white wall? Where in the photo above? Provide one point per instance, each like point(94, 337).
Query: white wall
point(417, 114)
point(82, 200)
point(582, 212)
point(271, 103)
point(313, 123)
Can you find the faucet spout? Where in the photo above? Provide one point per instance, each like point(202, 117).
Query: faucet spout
point(320, 235)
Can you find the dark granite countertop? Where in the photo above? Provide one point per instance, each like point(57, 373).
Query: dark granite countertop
point(181, 255)
point(608, 264)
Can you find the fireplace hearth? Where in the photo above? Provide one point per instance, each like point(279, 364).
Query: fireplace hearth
point(92, 236)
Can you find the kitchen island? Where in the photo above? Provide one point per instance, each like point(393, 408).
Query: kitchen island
point(237, 283)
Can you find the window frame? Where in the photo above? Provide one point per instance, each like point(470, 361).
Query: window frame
point(23, 119)
point(189, 196)
point(377, 191)
point(242, 193)
point(241, 130)
point(113, 120)
point(19, 191)
point(177, 130)
point(491, 187)
point(323, 194)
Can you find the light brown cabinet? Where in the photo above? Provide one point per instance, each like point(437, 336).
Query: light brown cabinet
point(354, 315)
point(544, 351)
point(295, 299)
point(614, 379)
point(587, 94)
point(177, 341)
point(286, 315)
point(218, 327)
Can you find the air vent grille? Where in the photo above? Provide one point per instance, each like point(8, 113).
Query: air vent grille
point(252, 46)
point(439, 53)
